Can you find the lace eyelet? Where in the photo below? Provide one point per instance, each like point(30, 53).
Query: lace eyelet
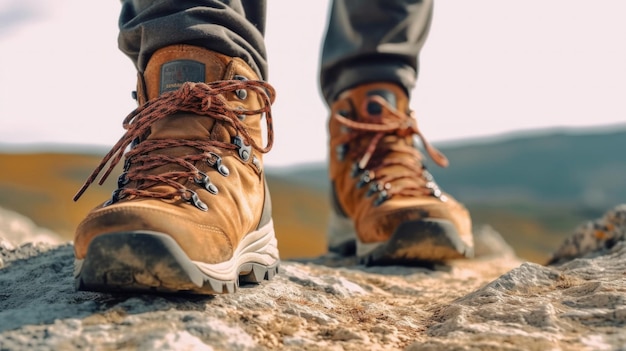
point(436, 192)
point(244, 150)
point(116, 196)
point(366, 177)
point(217, 164)
point(242, 94)
point(205, 182)
point(122, 180)
point(372, 190)
point(356, 170)
point(377, 187)
point(382, 197)
point(341, 151)
point(195, 200)
point(223, 170)
point(426, 174)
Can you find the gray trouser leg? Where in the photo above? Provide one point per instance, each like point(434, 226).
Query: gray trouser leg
point(231, 27)
point(371, 41)
point(366, 40)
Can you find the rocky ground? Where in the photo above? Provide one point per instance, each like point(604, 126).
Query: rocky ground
point(492, 302)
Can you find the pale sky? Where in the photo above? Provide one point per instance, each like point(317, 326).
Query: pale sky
point(488, 67)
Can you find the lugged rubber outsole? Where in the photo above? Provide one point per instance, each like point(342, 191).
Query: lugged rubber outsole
point(154, 262)
point(419, 242)
point(415, 243)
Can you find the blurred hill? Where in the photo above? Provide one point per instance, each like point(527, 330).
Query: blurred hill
point(534, 188)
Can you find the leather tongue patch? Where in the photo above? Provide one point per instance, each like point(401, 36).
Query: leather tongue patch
point(175, 73)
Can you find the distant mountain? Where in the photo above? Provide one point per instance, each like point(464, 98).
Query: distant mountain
point(587, 169)
point(557, 167)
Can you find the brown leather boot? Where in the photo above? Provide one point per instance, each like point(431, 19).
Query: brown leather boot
point(192, 212)
point(383, 195)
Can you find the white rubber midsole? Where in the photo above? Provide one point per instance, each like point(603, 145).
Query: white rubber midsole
point(78, 266)
point(259, 246)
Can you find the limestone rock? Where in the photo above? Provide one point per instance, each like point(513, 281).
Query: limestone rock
point(494, 301)
point(16, 230)
point(594, 237)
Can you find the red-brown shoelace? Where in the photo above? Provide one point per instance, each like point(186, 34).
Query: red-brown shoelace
point(375, 157)
point(202, 99)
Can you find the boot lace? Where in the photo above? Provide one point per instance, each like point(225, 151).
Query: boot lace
point(202, 99)
point(381, 152)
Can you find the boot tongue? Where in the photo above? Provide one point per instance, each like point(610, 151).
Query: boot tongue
point(167, 70)
point(374, 112)
point(172, 66)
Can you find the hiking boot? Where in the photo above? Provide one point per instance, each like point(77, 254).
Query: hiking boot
point(387, 207)
point(191, 212)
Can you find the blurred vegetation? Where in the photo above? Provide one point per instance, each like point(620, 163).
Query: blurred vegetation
point(534, 190)
point(41, 186)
